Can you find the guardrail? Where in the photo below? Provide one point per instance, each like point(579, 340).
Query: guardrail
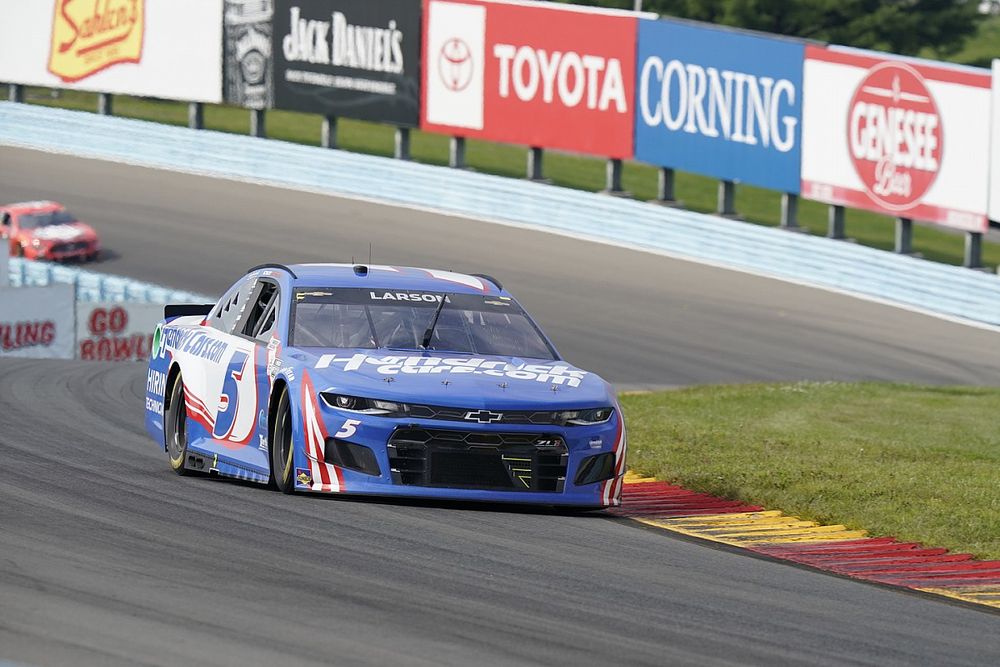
point(93, 287)
point(821, 262)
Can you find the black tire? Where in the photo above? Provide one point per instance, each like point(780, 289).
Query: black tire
point(175, 428)
point(282, 454)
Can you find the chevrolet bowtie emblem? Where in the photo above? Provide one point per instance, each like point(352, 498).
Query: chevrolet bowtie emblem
point(484, 416)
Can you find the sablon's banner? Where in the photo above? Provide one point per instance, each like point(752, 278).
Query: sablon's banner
point(898, 136)
point(149, 48)
point(353, 58)
point(116, 331)
point(37, 322)
point(536, 74)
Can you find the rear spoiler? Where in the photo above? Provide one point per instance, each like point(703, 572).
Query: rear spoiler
point(173, 310)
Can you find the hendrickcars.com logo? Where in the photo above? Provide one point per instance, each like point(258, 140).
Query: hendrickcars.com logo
point(91, 35)
point(895, 136)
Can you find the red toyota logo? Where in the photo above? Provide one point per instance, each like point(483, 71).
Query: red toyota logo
point(455, 64)
point(894, 135)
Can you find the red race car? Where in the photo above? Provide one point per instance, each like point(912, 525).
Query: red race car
point(46, 230)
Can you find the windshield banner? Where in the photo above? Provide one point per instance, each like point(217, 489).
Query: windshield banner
point(898, 136)
point(719, 102)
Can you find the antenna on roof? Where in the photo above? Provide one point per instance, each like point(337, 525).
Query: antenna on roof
point(369, 253)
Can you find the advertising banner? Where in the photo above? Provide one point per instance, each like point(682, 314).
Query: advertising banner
point(994, 206)
point(116, 331)
point(721, 103)
point(353, 58)
point(247, 64)
point(149, 48)
point(37, 322)
point(535, 74)
point(898, 136)
point(4, 265)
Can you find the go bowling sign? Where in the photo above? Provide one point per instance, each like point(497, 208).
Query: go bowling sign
point(896, 136)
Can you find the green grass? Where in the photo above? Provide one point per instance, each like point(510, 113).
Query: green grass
point(980, 49)
point(920, 463)
point(697, 192)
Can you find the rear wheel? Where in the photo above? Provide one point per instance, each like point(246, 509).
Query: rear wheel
point(175, 428)
point(282, 452)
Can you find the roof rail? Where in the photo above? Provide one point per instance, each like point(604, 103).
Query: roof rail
point(490, 278)
point(274, 266)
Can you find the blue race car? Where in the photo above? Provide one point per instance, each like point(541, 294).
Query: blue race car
point(384, 381)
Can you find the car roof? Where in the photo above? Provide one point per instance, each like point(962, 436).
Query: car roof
point(32, 206)
point(397, 278)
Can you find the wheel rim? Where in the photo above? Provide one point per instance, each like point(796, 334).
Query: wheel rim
point(177, 438)
point(285, 449)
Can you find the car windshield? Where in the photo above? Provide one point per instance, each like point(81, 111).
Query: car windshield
point(45, 219)
point(372, 319)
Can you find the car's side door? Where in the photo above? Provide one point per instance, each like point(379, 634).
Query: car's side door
point(240, 420)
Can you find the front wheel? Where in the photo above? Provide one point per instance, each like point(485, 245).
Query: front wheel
point(282, 452)
point(175, 428)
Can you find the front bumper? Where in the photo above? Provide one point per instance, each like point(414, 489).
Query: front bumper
point(440, 459)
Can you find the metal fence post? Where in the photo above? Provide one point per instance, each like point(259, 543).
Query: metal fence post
point(104, 104)
point(835, 223)
point(535, 164)
point(726, 204)
point(973, 250)
point(904, 236)
point(328, 132)
point(790, 211)
point(16, 92)
point(613, 177)
point(401, 150)
point(258, 123)
point(196, 116)
point(456, 152)
point(665, 187)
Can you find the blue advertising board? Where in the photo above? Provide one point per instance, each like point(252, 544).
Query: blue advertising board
point(719, 102)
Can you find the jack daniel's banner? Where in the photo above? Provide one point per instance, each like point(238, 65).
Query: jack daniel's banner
point(353, 58)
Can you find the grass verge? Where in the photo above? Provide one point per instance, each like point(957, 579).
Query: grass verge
point(920, 463)
point(585, 173)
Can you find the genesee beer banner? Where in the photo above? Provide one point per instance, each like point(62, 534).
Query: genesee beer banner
point(353, 58)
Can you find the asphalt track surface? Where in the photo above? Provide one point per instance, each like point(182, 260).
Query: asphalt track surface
point(109, 558)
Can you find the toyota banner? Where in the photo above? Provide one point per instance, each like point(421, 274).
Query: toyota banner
point(352, 58)
point(898, 136)
point(719, 102)
point(535, 74)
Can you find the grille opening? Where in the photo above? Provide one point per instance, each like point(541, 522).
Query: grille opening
point(478, 460)
point(351, 456)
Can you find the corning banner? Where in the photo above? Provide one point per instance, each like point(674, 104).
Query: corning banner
point(116, 331)
point(721, 103)
point(149, 48)
point(37, 322)
point(353, 58)
point(536, 74)
point(898, 136)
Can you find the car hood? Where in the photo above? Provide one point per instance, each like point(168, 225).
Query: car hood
point(71, 232)
point(439, 378)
